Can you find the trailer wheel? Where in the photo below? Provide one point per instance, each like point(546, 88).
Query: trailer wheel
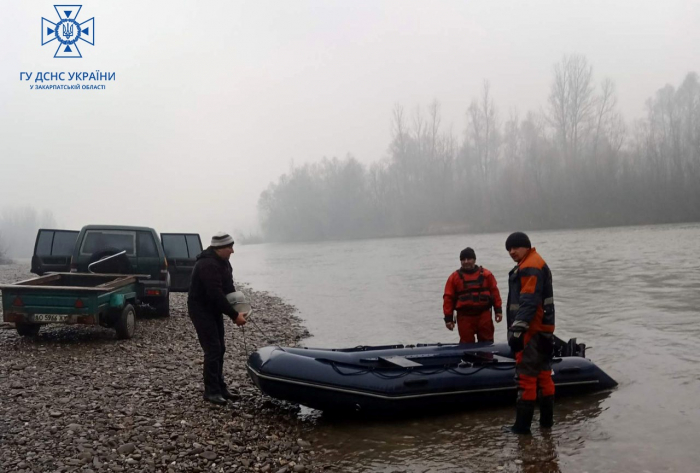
point(27, 330)
point(163, 307)
point(126, 322)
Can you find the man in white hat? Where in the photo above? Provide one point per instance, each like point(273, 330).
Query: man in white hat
point(212, 281)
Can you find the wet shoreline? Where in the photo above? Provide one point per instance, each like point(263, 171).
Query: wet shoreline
point(77, 399)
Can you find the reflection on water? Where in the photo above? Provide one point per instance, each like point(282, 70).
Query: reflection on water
point(471, 439)
point(632, 294)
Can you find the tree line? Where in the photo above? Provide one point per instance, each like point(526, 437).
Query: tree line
point(576, 163)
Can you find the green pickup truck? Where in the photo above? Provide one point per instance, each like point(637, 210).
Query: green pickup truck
point(157, 266)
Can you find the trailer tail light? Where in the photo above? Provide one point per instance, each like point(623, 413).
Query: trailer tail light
point(86, 319)
point(79, 304)
point(18, 302)
point(14, 318)
point(153, 292)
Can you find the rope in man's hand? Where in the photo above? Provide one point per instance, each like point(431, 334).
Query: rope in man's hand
point(265, 336)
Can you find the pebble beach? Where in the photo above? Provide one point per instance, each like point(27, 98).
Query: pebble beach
point(76, 398)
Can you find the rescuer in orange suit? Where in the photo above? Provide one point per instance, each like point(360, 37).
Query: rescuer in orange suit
point(530, 314)
point(471, 291)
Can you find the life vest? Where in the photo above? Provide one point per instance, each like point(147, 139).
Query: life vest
point(474, 298)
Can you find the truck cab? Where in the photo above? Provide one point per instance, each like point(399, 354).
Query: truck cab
point(168, 259)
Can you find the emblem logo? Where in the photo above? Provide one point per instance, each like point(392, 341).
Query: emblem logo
point(67, 31)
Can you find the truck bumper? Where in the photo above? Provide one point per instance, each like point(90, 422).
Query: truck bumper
point(153, 289)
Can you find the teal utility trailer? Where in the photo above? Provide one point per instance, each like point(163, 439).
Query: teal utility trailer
point(107, 300)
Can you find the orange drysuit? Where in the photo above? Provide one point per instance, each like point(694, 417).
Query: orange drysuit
point(472, 294)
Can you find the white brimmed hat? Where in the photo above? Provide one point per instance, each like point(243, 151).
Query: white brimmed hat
point(239, 302)
point(221, 240)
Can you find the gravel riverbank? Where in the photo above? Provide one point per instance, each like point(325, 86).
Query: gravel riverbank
point(77, 399)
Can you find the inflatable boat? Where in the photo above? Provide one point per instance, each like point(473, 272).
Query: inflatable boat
point(396, 378)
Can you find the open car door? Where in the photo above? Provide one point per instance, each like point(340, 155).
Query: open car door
point(181, 250)
point(53, 250)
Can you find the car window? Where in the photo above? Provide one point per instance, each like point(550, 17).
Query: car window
point(147, 245)
point(63, 243)
point(194, 246)
point(43, 245)
point(174, 246)
point(97, 240)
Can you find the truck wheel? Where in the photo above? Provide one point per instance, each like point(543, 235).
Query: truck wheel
point(163, 307)
point(126, 322)
point(27, 330)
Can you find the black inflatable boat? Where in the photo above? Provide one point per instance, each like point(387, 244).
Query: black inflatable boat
point(397, 378)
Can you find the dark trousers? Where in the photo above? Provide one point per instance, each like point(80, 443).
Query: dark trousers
point(210, 332)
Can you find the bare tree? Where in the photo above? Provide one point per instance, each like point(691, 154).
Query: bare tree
point(434, 127)
point(571, 103)
point(398, 128)
point(483, 131)
point(663, 140)
point(512, 140)
point(688, 98)
point(399, 146)
point(609, 124)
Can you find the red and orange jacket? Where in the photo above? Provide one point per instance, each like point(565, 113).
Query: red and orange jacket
point(471, 293)
point(530, 294)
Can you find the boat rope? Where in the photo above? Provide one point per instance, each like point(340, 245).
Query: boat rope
point(245, 345)
point(260, 330)
point(337, 370)
point(408, 371)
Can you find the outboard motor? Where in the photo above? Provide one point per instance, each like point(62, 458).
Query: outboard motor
point(570, 348)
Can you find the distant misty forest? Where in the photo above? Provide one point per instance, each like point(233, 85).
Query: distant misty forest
point(18, 227)
point(574, 163)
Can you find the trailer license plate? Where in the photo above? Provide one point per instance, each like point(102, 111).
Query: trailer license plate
point(50, 318)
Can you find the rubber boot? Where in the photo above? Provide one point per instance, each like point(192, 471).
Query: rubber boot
point(524, 410)
point(547, 412)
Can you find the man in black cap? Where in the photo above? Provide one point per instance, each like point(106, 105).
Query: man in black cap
point(212, 280)
point(471, 291)
point(530, 318)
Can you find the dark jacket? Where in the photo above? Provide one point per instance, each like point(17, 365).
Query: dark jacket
point(212, 279)
point(530, 295)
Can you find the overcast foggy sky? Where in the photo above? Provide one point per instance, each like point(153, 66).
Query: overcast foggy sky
point(213, 100)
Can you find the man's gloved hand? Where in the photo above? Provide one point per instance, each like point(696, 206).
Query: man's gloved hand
point(449, 322)
point(516, 336)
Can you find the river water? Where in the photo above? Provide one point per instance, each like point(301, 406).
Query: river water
point(631, 293)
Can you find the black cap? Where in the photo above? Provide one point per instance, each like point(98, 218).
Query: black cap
point(467, 253)
point(517, 240)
